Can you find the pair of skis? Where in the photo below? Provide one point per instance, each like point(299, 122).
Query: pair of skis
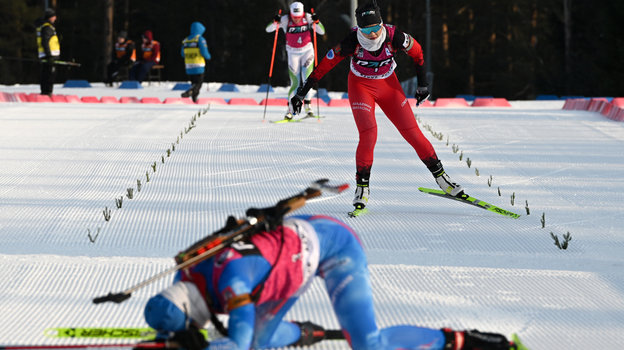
point(296, 120)
point(144, 338)
point(464, 198)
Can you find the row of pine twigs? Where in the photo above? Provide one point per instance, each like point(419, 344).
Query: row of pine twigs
point(149, 174)
point(566, 238)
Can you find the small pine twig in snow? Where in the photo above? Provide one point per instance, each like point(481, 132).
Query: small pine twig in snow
point(107, 214)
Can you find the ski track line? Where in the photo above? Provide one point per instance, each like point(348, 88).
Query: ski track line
point(553, 129)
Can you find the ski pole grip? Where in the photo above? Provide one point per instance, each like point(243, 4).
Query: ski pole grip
point(116, 298)
point(334, 334)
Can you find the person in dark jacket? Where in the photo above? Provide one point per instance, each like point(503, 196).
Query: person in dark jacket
point(49, 50)
point(195, 53)
point(124, 55)
point(150, 55)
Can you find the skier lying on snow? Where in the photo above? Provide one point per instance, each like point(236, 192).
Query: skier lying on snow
point(257, 280)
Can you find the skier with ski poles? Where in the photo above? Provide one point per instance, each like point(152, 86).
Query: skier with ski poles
point(297, 26)
point(257, 279)
point(371, 46)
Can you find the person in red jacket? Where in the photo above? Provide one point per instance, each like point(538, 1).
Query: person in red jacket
point(372, 46)
point(150, 55)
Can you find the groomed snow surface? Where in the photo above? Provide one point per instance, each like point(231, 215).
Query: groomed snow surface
point(433, 262)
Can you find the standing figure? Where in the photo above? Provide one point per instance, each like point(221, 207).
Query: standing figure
point(297, 26)
point(49, 50)
point(371, 46)
point(124, 55)
point(150, 55)
point(195, 53)
point(258, 279)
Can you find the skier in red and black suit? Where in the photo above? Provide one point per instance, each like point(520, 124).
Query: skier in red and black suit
point(371, 46)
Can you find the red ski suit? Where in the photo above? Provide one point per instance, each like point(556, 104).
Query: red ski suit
point(372, 80)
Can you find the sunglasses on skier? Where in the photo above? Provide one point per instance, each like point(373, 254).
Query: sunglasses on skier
point(368, 30)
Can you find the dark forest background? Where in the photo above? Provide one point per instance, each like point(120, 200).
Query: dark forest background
point(516, 49)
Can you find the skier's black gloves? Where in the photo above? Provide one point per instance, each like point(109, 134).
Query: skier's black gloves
point(190, 339)
point(422, 92)
point(315, 18)
point(475, 340)
point(277, 18)
point(296, 102)
point(310, 334)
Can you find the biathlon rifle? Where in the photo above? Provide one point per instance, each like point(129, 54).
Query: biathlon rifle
point(62, 63)
point(256, 220)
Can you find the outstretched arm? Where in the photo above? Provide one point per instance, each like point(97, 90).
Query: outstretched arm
point(413, 49)
point(313, 18)
point(283, 23)
point(332, 58)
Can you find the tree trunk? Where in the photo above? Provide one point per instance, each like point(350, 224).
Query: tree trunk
point(567, 25)
point(109, 5)
point(472, 54)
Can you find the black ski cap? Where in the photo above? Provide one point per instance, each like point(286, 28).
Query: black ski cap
point(368, 14)
point(49, 13)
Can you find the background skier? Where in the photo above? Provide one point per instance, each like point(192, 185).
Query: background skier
point(297, 26)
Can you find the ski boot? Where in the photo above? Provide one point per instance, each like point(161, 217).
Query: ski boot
point(362, 192)
point(444, 181)
point(308, 111)
point(448, 186)
point(288, 116)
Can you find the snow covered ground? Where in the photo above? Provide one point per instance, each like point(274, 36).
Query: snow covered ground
point(434, 262)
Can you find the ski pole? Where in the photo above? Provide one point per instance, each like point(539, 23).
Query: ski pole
point(62, 63)
point(319, 335)
point(318, 103)
point(277, 25)
point(235, 230)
